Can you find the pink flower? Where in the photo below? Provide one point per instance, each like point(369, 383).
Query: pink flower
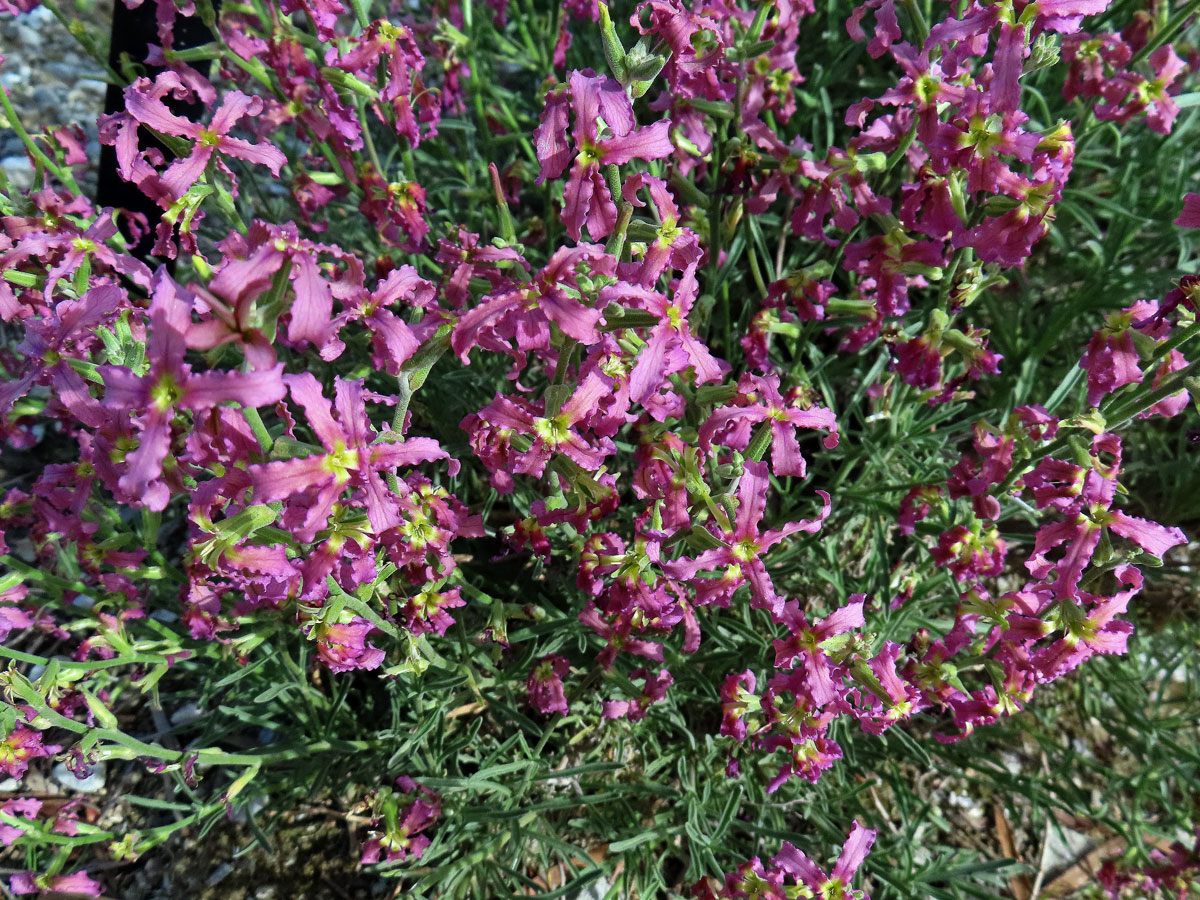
point(393, 340)
point(171, 385)
point(353, 459)
point(75, 884)
point(744, 546)
point(550, 434)
point(1111, 360)
point(26, 807)
point(887, 25)
point(19, 747)
point(1189, 216)
point(970, 554)
point(1086, 518)
point(545, 685)
point(674, 245)
point(343, 646)
point(654, 690)
point(587, 197)
point(738, 701)
point(523, 310)
point(403, 815)
point(803, 644)
point(837, 883)
point(671, 347)
point(143, 100)
point(759, 401)
point(1088, 632)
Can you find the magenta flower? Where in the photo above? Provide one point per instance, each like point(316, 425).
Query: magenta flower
point(523, 310)
point(393, 340)
point(51, 341)
point(19, 747)
point(24, 807)
point(970, 554)
point(837, 883)
point(674, 245)
point(1085, 633)
point(587, 197)
point(76, 884)
point(1086, 518)
point(1112, 360)
point(550, 434)
point(351, 460)
point(1189, 216)
point(654, 690)
point(343, 646)
point(887, 25)
point(671, 346)
point(745, 545)
point(170, 385)
point(144, 103)
point(803, 644)
point(545, 685)
point(401, 835)
point(738, 702)
point(90, 246)
point(759, 401)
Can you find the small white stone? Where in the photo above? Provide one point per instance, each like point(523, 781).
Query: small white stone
point(1065, 846)
point(39, 16)
point(220, 873)
point(597, 890)
point(19, 171)
point(186, 715)
point(29, 37)
point(90, 785)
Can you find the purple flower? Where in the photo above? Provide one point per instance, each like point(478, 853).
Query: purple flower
point(343, 646)
point(671, 347)
point(76, 884)
point(804, 641)
point(587, 197)
point(837, 883)
point(27, 807)
point(352, 459)
point(745, 545)
point(143, 100)
point(759, 401)
point(551, 434)
point(170, 385)
point(1189, 216)
point(19, 747)
point(545, 685)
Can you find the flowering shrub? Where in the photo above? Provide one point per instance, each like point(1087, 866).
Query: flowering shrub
point(505, 387)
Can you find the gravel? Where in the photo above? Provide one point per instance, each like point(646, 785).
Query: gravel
point(51, 81)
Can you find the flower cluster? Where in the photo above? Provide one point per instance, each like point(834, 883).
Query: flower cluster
point(351, 373)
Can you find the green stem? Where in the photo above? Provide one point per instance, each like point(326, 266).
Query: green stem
point(63, 175)
point(259, 428)
point(84, 39)
point(616, 241)
point(368, 140)
point(1176, 25)
point(918, 20)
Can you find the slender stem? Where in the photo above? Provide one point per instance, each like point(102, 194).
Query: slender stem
point(1176, 25)
point(918, 20)
point(258, 427)
point(63, 175)
point(368, 140)
point(83, 38)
